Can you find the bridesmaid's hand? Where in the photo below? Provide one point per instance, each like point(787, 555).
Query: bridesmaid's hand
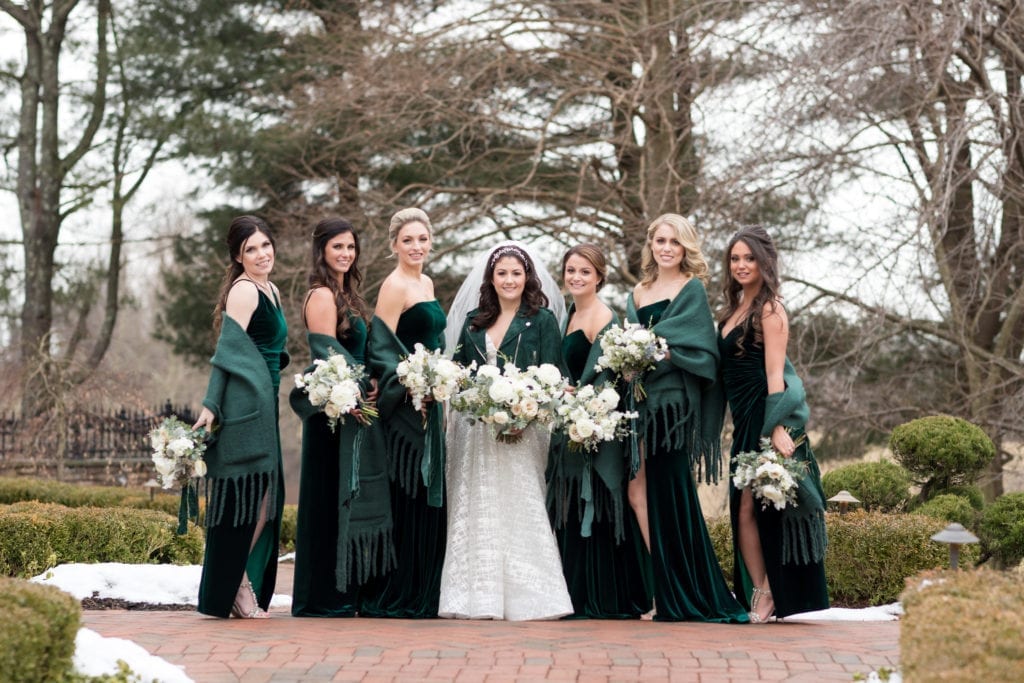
point(782, 441)
point(206, 420)
point(374, 392)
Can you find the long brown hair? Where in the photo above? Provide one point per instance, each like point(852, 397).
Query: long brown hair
point(347, 296)
point(533, 298)
point(763, 249)
point(240, 230)
point(592, 254)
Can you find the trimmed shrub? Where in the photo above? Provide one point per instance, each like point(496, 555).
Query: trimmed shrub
point(963, 626)
point(950, 508)
point(870, 555)
point(289, 526)
point(720, 530)
point(971, 492)
point(22, 489)
point(941, 451)
point(880, 486)
point(36, 536)
point(1001, 529)
point(37, 631)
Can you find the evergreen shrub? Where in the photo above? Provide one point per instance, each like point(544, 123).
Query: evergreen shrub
point(37, 536)
point(963, 626)
point(37, 632)
point(880, 486)
point(1001, 529)
point(950, 508)
point(941, 451)
point(869, 556)
point(289, 525)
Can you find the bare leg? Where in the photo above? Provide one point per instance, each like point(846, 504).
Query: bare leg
point(246, 604)
point(637, 492)
point(762, 604)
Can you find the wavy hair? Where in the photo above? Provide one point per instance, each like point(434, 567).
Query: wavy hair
point(765, 254)
point(533, 298)
point(405, 216)
point(347, 295)
point(239, 231)
point(693, 262)
point(593, 255)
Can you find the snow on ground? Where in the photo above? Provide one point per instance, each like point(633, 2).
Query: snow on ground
point(179, 585)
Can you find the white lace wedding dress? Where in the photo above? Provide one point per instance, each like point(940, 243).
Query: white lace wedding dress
point(501, 561)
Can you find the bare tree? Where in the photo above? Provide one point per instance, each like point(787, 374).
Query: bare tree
point(924, 100)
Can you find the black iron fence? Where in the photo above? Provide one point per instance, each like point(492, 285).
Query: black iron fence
point(84, 436)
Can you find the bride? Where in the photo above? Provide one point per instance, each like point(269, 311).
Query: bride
point(501, 561)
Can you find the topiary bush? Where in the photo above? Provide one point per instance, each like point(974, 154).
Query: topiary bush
point(871, 554)
point(1001, 529)
point(37, 632)
point(880, 486)
point(971, 492)
point(950, 508)
point(941, 451)
point(720, 530)
point(36, 536)
point(963, 626)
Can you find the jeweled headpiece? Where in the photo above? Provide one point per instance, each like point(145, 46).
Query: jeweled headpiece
point(510, 250)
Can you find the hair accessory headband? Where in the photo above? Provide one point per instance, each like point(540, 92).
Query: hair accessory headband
point(510, 250)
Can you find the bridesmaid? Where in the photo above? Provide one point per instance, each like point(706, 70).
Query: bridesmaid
point(680, 426)
point(606, 566)
point(407, 312)
point(342, 538)
point(245, 480)
point(780, 554)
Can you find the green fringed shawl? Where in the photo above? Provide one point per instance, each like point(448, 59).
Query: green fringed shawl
point(413, 450)
point(804, 537)
point(364, 545)
point(685, 404)
point(244, 449)
point(572, 472)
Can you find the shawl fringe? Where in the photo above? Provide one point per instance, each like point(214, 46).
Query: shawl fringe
point(674, 428)
point(405, 459)
point(248, 490)
point(804, 538)
point(371, 553)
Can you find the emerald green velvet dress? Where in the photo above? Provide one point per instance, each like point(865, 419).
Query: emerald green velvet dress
point(315, 592)
point(412, 589)
point(688, 580)
point(607, 571)
point(227, 553)
point(797, 584)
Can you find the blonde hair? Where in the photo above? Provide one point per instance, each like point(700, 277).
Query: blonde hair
point(403, 218)
point(693, 260)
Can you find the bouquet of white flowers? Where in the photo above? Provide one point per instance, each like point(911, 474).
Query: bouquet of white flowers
point(178, 452)
point(333, 385)
point(429, 374)
point(629, 351)
point(589, 417)
point(772, 478)
point(510, 399)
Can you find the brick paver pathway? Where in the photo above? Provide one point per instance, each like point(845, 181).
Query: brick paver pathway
point(378, 650)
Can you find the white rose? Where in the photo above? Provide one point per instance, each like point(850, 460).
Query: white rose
point(609, 397)
point(501, 390)
point(549, 374)
point(442, 392)
point(402, 369)
point(774, 495)
point(332, 411)
point(489, 371)
point(585, 428)
point(500, 418)
point(180, 446)
point(199, 468)
point(318, 395)
point(574, 434)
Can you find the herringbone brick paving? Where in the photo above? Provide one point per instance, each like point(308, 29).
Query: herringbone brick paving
point(383, 650)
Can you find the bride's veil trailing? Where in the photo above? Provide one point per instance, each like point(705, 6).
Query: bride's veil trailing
point(468, 296)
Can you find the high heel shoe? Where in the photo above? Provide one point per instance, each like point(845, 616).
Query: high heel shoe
point(755, 598)
point(254, 611)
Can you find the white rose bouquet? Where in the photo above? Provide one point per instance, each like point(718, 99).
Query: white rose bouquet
point(333, 385)
point(589, 417)
point(510, 399)
point(772, 478)
point(629, 351)
point(431, 375)
point(178, 452)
